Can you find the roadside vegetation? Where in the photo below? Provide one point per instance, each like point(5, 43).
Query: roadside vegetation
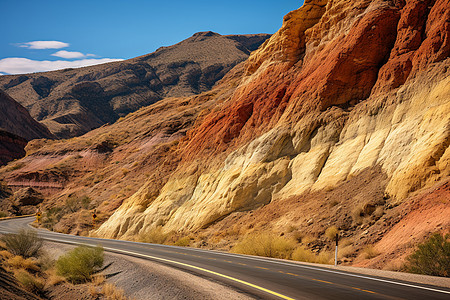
point(80, 264)
point(271, 245)
point(431, 257)
point(22, 255)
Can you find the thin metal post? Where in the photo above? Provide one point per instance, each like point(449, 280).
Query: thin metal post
point(336, 252)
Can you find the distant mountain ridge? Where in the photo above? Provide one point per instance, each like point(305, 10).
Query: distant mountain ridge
point(71, 102)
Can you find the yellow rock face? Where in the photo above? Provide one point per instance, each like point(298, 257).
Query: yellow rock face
point(405, 131)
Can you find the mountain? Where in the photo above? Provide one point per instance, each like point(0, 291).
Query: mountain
point(72, 102)
point(341, 119)
point(16, 119)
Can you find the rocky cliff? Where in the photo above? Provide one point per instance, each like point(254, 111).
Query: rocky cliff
point(72, 102)
point(342, 89)
point(341, 118)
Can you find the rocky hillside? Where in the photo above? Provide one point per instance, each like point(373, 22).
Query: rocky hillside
point(11, 147)
point(16, 127)
point(16, 119)
point(72, 102)
point(341, 118)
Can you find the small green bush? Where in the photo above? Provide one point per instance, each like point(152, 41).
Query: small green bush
point(263, 244)
point(79, 264)
point(29, 282)
point(3, 214)
point(431, 257)
point(25, 243)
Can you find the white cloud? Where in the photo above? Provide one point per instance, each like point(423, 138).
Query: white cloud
point(44, 45)
point(19, 65)
point(69, 54)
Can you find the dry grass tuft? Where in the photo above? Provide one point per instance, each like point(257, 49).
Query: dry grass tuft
point(331, 233)
point(99, 279)
point(303, 254)
point(52, 278)
point(6, 254)
point(183, 242)
point(154, 236)
point(370, 252)
point(112, 292)
point(18, 262)
point(346, 251)
point(263, 244)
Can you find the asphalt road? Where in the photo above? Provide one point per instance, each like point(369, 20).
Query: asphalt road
point(261, 277)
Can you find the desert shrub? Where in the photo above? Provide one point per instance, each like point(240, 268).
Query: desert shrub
point(3, 214)
point(263, 244)
point(306, 255)
point(52, 216)
point(346, 251)
point(29, 282)
point(155, 236)
point(331, 232)
point(85, 202)
point(431, 257)
point(5, 254)
point(25, 243)
point(358, 214)
point(18, 262)
point(184, 241)
point(370, 252)
point(79, 264)
point(72, 204)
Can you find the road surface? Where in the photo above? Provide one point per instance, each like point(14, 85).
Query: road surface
point(261, 277)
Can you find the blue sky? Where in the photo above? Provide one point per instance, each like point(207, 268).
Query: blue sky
point(75, 33)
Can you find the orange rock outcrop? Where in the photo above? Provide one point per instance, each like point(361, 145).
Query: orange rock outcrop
point(343, 86)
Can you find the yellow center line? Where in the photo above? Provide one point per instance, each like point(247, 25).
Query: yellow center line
point(292, 274)
point(367, 291)
point(322, 281)
point(261, 268)
point(204, 270)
